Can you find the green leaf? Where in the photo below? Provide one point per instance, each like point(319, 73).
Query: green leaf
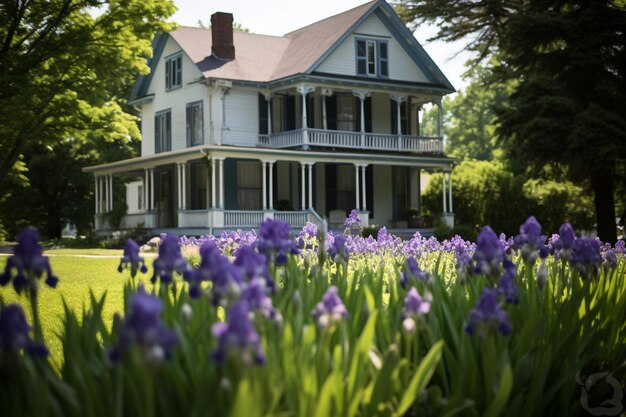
point(504, 391)
point(420, 379)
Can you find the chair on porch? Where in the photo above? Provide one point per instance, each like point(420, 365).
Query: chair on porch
point(336, 218)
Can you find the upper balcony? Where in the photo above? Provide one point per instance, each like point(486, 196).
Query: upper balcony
point(309, 116)
point(304, 138)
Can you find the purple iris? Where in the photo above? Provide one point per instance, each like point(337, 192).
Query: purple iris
point(274, 241)
point(132, 260)
point(256, 295)
point(214, 267)
point(415, 308)
point(308, 232)
point(338, 250)
point(170, 260)
point(253, 265)
point(488, 313)
point(330, 310)
point(586, 256)
point(14, 333)
point(507, 288)
point(530, 241)
point(352, 219)
point(238, 336)
point(412, 271)
point(563, 245)
point(28, 263)
point(144, 328)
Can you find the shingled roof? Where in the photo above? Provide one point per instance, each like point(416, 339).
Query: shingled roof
point(264, 58)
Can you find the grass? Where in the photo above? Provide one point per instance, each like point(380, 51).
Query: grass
point(77, 276)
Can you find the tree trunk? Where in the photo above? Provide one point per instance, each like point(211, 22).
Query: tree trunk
point(602, 184)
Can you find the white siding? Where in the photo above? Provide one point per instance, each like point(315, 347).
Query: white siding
point(175, 99)
point(242, 118)
point(343, 60)
point(382, 195)
point(381, 113)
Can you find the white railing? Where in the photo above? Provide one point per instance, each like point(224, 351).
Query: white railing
point(296, 219)
point(335, 138)
point(193, 218)
point(233, 218)
point(289, 139)
point(353, 140)
point(315, 218)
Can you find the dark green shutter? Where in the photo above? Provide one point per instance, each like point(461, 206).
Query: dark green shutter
point(262, 115)
point(230, 184)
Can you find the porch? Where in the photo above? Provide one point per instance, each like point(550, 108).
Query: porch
point(220, 188)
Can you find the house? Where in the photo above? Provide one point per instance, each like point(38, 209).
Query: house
point(239, 127)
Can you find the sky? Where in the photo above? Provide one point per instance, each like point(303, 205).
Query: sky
point(278, 17)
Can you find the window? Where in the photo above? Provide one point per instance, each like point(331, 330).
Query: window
point(346, 113)
point(195, 124)
point(163, 131)
point(174, 72)
point(372, 58)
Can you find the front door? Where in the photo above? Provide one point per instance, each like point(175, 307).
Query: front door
point(165, 200)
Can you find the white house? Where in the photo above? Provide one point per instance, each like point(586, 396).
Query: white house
point(240, 127)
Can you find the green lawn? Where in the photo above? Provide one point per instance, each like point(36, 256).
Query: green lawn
point(77, 275)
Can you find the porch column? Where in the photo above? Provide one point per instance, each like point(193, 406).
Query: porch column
point(363, 184)
point(213, 202)
point(264, 175)
point(221, 169)
point(304, 90)
point(146, 178)
point(445, 206)
point(271, 165)
point(96, 193)
point(450, 191)
point(440, 118)
point(110, 206)
point(399, 100)
point(362, 95)
point(179, 187)
point(183, 169)
point(326, 92)
point(268, 98)
point(310, 186)
point(356, 188)
point(151, 189)
point(303, 191)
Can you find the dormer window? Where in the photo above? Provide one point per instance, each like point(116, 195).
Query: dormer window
point(372, 58)
point(174, 72)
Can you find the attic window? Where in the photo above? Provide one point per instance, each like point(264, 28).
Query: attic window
point(372, 58)
point(174, 72)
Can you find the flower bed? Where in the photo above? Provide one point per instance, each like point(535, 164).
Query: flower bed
point(318, 324)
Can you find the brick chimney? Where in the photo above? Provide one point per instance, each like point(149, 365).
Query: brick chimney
point(222, 36)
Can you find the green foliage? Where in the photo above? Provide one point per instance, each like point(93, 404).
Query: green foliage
point(365, 365)
point(469, 117)
point(486, 193)
point(64, 102)
point(568, 64)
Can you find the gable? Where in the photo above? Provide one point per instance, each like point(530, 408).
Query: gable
point(342, 61)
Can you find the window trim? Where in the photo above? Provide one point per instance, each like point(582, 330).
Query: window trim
point(190, 125)
point(168, 133)
point(366, 59)
point(178, 56)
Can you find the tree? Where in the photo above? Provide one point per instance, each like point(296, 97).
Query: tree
point(470, 118)
point(63, 71)
point(570, 63)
